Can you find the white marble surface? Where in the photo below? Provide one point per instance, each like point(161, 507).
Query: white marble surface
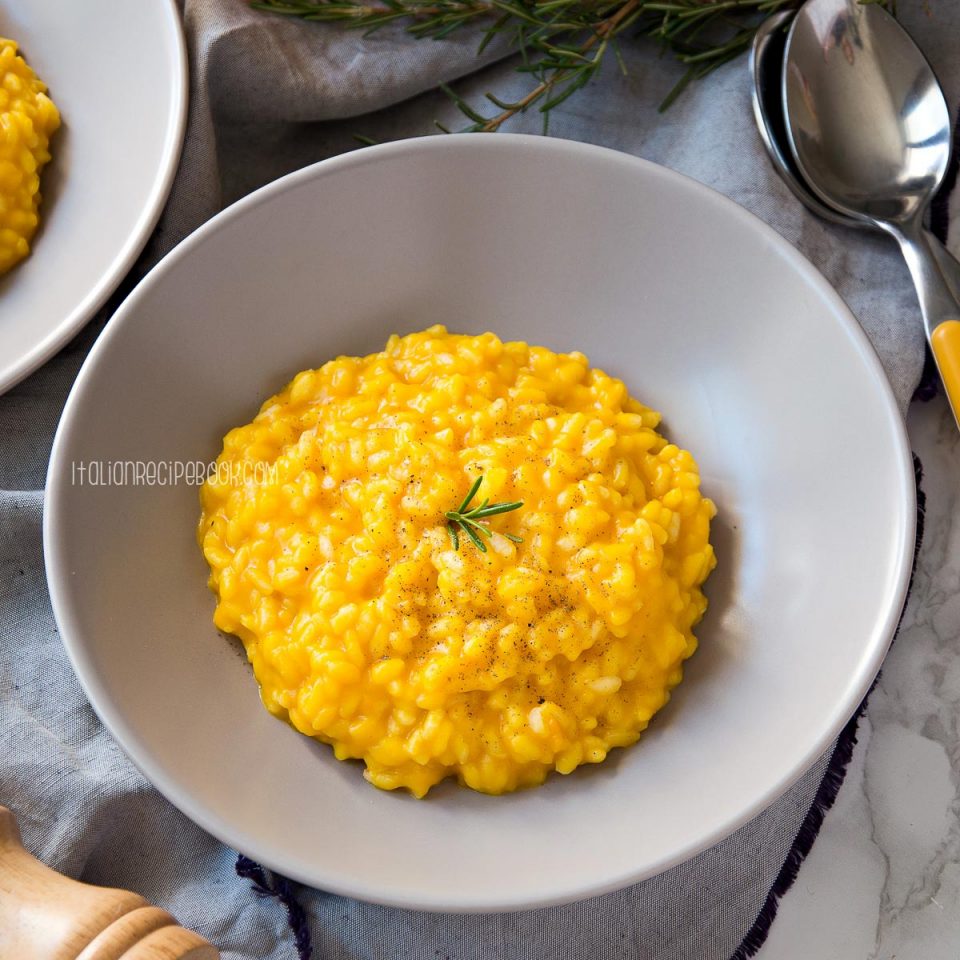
point(883, 879)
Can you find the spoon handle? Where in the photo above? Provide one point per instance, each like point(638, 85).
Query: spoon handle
point(949, 265)
point(939, 305)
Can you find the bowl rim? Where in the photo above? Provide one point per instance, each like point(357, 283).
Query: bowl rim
point(21, 367)
point(566, 890)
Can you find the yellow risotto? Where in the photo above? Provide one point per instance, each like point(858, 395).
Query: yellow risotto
point(376, 624)
point(27, 119)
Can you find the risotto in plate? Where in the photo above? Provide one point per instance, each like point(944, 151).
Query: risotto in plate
point(534, 637)
point(28, 118)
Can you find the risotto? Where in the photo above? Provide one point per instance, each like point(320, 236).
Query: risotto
point(27, 119)
point(420, 644)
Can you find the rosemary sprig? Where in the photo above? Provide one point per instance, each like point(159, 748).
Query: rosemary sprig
point(469, 520)
point(562, 43)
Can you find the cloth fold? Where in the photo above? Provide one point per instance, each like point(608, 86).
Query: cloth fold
point(270, 95)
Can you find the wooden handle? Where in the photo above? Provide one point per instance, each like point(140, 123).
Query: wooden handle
point(47, 916)
point(945, 341)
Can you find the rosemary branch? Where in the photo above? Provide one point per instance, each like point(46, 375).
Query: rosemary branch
point(469, 520)
point(562, 43)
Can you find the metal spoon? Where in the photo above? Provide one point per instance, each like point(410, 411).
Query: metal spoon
point(869, 128)
point(766, 69)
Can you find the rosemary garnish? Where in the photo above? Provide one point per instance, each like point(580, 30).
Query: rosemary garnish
point(469, 520)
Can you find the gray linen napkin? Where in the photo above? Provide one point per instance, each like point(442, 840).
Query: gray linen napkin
point(269, 96)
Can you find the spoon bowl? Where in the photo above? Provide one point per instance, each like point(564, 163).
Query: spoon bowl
point(866, 118)
point(766, 70)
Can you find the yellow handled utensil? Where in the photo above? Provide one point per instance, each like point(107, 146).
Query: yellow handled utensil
point(945, 341)
point(47, 916)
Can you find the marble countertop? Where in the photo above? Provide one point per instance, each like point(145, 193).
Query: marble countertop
point(882, 881)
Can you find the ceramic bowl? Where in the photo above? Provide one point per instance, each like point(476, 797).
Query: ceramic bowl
point(709, 317)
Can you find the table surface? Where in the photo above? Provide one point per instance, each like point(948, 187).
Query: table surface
point(883, 879)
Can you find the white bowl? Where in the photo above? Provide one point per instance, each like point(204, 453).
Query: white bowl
point(707, 315)
point(118, 73)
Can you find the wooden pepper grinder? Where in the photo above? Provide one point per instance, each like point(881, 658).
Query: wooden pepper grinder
point(47, 916)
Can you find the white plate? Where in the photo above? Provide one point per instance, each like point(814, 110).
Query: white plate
point(118, 73)
point(705, 312)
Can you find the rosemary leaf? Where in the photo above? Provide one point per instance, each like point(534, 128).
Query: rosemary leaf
point(477, 542)
point(494, 509)
point(473, 492)
point(468, 524)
